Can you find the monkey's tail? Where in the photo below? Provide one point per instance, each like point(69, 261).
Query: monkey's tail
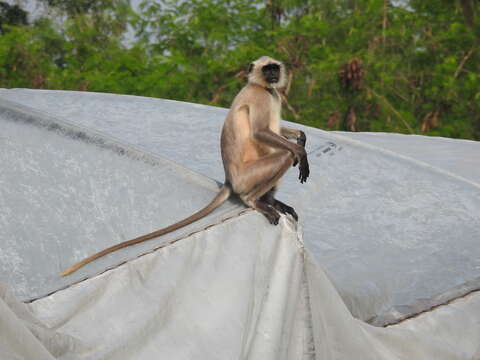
point(221, 197)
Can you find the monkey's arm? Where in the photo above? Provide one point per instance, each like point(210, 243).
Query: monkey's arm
point(290, 133)
point(270, 138)
point(259, 116)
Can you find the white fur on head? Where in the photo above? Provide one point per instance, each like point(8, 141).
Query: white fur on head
point(256, 76)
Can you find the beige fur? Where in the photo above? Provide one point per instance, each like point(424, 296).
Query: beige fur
point(248, 160)
point(256, 77)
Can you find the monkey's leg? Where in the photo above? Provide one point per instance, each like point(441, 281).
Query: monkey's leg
point(264, 176)
point(278, 205)
point(256, 173)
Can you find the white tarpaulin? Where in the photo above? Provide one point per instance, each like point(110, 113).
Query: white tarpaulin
point(249, 295)
point(397, 233)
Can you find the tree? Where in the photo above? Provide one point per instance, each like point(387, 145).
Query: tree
point(11, 15)
point(356, 65)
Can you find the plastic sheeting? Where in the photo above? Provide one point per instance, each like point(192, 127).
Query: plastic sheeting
point(397, 236)
point(265, 298)
point(394, 219)
point(208, 296)
point(457, 157)
point(67, 192)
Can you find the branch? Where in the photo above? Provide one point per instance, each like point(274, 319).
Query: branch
point(462, 63)
point(295, 114)
point(217, 93)
point(468, 12)
point(398, 94)
point(384, 24)
point(389, 105)
point(289, 82)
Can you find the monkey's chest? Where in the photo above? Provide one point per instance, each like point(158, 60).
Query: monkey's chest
point(275, 126)
point(274, 121)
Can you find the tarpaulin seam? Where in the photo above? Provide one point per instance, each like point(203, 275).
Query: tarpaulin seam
point(164, 245)
point(432, 308)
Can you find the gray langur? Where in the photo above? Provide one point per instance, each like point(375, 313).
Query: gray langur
point(255, 150)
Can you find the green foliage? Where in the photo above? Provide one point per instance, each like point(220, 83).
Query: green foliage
point(202, 44)
point(78, 7)
point(415, 66)
point(11, 15)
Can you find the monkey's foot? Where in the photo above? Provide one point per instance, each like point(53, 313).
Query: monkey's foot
point(272, 216)
point(269, 212)
point(285, 209)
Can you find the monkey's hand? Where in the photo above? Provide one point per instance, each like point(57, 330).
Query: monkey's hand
point(302, 139)
point(304, 168)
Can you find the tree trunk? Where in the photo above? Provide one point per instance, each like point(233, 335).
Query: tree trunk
point(468, 12)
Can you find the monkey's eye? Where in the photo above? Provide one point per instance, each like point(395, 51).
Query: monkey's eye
point(271, 67)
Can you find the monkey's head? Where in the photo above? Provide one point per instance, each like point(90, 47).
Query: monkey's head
point(267, 72)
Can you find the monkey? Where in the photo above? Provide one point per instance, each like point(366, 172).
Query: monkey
point(256, 152)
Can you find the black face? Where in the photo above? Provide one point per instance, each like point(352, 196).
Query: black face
point(271, 72)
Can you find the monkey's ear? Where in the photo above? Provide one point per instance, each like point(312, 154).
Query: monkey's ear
point(250, 68)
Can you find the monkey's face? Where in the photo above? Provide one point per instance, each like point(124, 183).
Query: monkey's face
point(271, 73)
point(267, 72)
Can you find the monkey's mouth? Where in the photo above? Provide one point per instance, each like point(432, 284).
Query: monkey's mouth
point(273, 79)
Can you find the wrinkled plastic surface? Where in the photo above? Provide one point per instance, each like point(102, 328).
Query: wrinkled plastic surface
point(460, 158)
point(208, 296)
point(394, 219)
point(67, 192)
point(255, 294)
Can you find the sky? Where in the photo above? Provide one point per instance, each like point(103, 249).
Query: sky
point(35, 8)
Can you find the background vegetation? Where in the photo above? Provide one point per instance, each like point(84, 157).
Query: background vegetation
point(407, 66)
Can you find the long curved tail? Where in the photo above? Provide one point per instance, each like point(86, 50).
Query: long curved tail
point(221, 197)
